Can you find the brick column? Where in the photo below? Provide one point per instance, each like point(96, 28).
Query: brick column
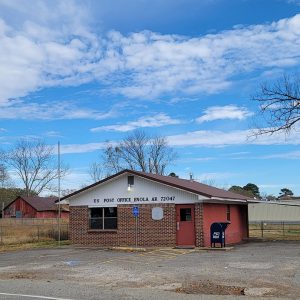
point(199, 225)
point(78, 223)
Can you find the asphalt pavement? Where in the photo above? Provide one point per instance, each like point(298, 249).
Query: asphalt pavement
point(271, 269)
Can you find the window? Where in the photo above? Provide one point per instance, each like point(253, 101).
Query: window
point(185, 214)
point(228, 212)
point(103, 218)
point(130, 180)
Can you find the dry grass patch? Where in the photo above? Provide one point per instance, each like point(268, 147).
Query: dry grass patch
point(210, 288)
point(17, 232)
point(285, 231)
point(24, 246)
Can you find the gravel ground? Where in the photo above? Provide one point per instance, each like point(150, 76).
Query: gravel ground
point(270, 269)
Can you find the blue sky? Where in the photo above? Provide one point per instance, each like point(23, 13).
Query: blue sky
point(83, 72)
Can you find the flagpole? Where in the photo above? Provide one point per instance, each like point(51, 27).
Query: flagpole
point(58, 169)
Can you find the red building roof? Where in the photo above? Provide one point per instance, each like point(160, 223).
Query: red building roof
point(193, 186)
point(40, 203)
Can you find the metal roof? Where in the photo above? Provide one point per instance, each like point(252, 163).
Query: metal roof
point(40, 203)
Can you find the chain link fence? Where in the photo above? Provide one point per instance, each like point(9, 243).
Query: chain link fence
point(287, 230)
point(15, 231)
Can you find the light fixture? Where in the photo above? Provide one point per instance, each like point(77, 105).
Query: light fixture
point(129, 188)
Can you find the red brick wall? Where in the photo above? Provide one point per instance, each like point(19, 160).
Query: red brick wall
point(150, 232)
point(199, 225)
point(238, 228)
point(157, 233)
point(52, 214)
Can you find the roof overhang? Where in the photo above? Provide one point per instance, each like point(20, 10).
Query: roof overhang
point(284, 203)
point(215, 200)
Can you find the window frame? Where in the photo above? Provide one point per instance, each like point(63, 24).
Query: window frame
point(228, 216)
point(185, 215)
point(103, 218)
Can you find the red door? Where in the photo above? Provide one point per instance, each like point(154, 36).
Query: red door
point(185, 222)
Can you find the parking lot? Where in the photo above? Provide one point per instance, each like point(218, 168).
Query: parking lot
point(269, 269)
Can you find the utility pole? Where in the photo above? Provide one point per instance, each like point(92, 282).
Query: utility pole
point(2, 177)
point(58, 169)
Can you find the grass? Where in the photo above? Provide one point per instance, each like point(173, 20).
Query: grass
point(20, 234)
point(276, 231)
point(31, 221)
point(33, 245)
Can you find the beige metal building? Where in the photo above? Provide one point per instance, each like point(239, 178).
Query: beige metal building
point(275, 211)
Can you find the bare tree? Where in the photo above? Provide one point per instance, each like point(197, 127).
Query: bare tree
point(111, 159)
point(160, 155)
point(4, 176)
point(279, 105)
point(139, 151)
point(133, 150)
point(34, 163)
point(209, 181)
point(96, 171)
point(66, 192)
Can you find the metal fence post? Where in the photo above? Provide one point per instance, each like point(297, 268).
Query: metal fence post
point(283, 233)
point(1, 233)
point(262, 228)
point(38, 232)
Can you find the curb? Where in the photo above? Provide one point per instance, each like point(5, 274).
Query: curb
point(215, 249)
point(128, 249)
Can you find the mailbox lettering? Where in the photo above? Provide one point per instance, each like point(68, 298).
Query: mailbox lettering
point(216, 235)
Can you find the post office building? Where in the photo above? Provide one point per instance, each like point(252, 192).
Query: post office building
point(134, 208)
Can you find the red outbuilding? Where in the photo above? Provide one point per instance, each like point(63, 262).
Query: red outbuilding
point(34, 207)
point(134, 208)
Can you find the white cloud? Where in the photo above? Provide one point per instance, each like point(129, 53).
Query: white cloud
point(47, 45)
point(52, 44)
point(170, 63)
point(297, 2)
point(203, 138)
point(214, 138)
point(286, 155)
point(204, 177)
point(158, 120)
point(231, 112)
point(53, 134)
point(237, 153)
point(81, 148)
point(76, 179)
point(51, 111)
point(279, 186)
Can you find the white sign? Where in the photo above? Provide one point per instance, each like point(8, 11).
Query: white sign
point(157, 213)
point(135, 200)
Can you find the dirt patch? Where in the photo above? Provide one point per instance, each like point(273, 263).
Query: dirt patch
point(256, 292)
point(23, 275)
point(210, 288)
point(251, 265)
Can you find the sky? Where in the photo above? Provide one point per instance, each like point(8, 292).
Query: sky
point(86, 72)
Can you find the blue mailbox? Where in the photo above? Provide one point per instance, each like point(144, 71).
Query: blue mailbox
point(217, 233)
